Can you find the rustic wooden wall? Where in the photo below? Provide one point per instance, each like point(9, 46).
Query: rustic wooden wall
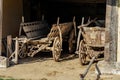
point(12, 13)
point(0, 25)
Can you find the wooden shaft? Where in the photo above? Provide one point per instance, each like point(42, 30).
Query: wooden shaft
point(78, 40)
point(79, 36)
point(74, 23)
point(82, 21)
point(82, 76)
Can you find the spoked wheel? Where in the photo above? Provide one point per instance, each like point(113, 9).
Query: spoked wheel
point(57, 46)
point(22, 50)
point(82, 53)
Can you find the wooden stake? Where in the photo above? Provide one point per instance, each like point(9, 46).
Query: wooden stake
point(9, 45)
point(16, 51)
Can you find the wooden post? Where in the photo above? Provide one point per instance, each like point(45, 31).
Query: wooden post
point(118, 44)
point(1, 17)
point(16, 51)
point(9, 46)
point(111, 31)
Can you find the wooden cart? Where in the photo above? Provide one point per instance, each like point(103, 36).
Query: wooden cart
point(52, 42)
point(91, 43)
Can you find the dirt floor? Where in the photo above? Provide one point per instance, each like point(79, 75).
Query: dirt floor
point(44, 68)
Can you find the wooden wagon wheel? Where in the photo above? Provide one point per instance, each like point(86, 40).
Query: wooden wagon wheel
point(57, 46)
point(23, 50)
point(82, 52)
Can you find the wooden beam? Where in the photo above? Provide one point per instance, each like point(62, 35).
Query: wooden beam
point(81, 1)
point(1, 17)
point(111, 31)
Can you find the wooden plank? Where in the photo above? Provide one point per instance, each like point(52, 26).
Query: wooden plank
point(1, 17)
point(35, 29)
point(16, 51)
point(9, 45)
point(111, 31)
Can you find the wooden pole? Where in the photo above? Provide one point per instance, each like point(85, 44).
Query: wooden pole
point(16, 51)
point(1, 18)
point(9, 46)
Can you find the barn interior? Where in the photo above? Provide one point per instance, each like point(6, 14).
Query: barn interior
point(32, 10)
point(65, 9)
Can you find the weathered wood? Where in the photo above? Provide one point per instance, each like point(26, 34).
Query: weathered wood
point(92, 43)
point(1, 17)
point(111, 31)
point(16, 51)
point(94, 35)
point(33, 52)
point(34, 29)
point(9, 46)
point(64, 27)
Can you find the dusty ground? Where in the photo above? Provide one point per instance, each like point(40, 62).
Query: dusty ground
point(44, 68)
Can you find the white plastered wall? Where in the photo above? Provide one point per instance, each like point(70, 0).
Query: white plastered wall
point(118, 43)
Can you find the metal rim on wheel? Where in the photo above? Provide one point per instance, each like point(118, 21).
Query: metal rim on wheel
point(82, 53)
point(56, 49)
